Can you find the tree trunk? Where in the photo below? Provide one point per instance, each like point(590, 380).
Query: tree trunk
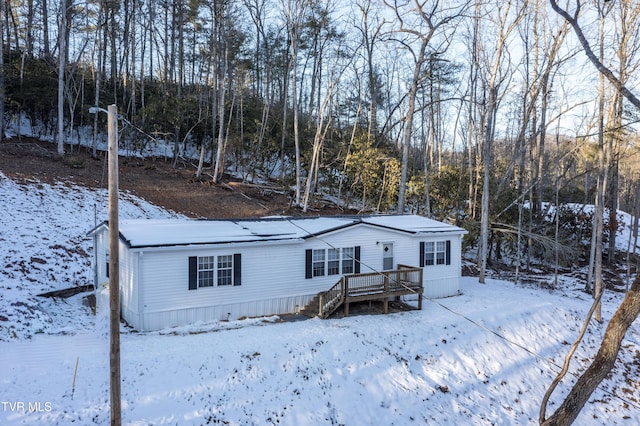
point(487, 154)
point(45, 29)
point(285, 103)
point(134, 54)
point(221, 92)
point(408, 125)
point(612, 185)
point(322, 126)
point(63, 35)
point(97, 76)
point(2, 90)
point(603, 362)
point(29, 29)
point(491, 109)
point(633, 236)
point(113, 25)
point(296, 126)
point(601, 186)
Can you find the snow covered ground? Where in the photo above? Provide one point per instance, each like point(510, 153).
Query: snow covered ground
point(485, 357)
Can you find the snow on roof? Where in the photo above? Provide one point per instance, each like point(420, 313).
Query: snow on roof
point(172, 232)
point(411, 223)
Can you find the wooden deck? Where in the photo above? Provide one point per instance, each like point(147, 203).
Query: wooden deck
point(372, 286)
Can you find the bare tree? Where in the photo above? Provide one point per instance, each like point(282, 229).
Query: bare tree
point(45, 28)
point(507, 22)
point(294, 13)
point(97, 76)
point(370, 37)
point(322, 127)
point(221, 46)
point(628, 310)
point(615, 81)
point(434, 21)
point(602, 364)
point(2, 80)
point(66, 7)
point(626, 18)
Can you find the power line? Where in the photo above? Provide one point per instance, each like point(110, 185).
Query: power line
point(529, 351)
point(473, 322)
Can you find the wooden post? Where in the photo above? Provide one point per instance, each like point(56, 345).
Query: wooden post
point(386, 292)
point(345, 294)
point(421, 288)
point(114, 268)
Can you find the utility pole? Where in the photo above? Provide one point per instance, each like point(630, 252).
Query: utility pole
point(114, 268)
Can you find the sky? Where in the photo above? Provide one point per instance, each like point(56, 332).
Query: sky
point(484, 357)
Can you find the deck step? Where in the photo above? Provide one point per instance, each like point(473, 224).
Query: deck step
point(368, 286)
point(311, 310)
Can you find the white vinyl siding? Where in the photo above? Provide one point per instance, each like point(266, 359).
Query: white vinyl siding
point(155, 287)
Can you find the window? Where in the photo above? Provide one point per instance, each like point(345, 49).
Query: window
point(107, 262)
point(347, 260)
point(435, 253)
point(318, 263)
point(440, 252)
point(429, 253)
point(214, 271)
point(332, 261)
point(333, 265)
point(225, 270)
point(206, 271)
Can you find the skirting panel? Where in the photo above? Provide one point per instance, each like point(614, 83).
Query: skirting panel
point(443, 287)
point(154, 321)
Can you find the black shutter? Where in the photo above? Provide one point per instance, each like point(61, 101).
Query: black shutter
point(237, 269)
point(356, 266)
point(448, 253)
point(193, 273)
point(421, 254)
point(308, 264)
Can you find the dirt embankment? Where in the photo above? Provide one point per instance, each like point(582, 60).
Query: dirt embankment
point(157, 181)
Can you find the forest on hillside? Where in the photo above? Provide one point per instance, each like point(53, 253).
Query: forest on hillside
point(485, 113)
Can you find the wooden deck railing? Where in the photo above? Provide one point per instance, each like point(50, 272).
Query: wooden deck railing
point(371, 286)
point(331, 299)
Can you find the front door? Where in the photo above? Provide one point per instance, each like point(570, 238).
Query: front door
point(387, 256)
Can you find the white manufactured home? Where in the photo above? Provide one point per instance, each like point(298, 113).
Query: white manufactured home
point(176, 272)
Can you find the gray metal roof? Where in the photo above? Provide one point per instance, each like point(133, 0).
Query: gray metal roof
point(142, 233)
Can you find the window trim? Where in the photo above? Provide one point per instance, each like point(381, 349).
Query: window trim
point(319, 262)
point(445, 252)
point(235, 271)
point(312, 262)
point(207, 266)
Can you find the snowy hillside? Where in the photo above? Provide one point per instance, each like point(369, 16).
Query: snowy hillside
point(485, 357)
point(624, 235)
point(44, 247)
